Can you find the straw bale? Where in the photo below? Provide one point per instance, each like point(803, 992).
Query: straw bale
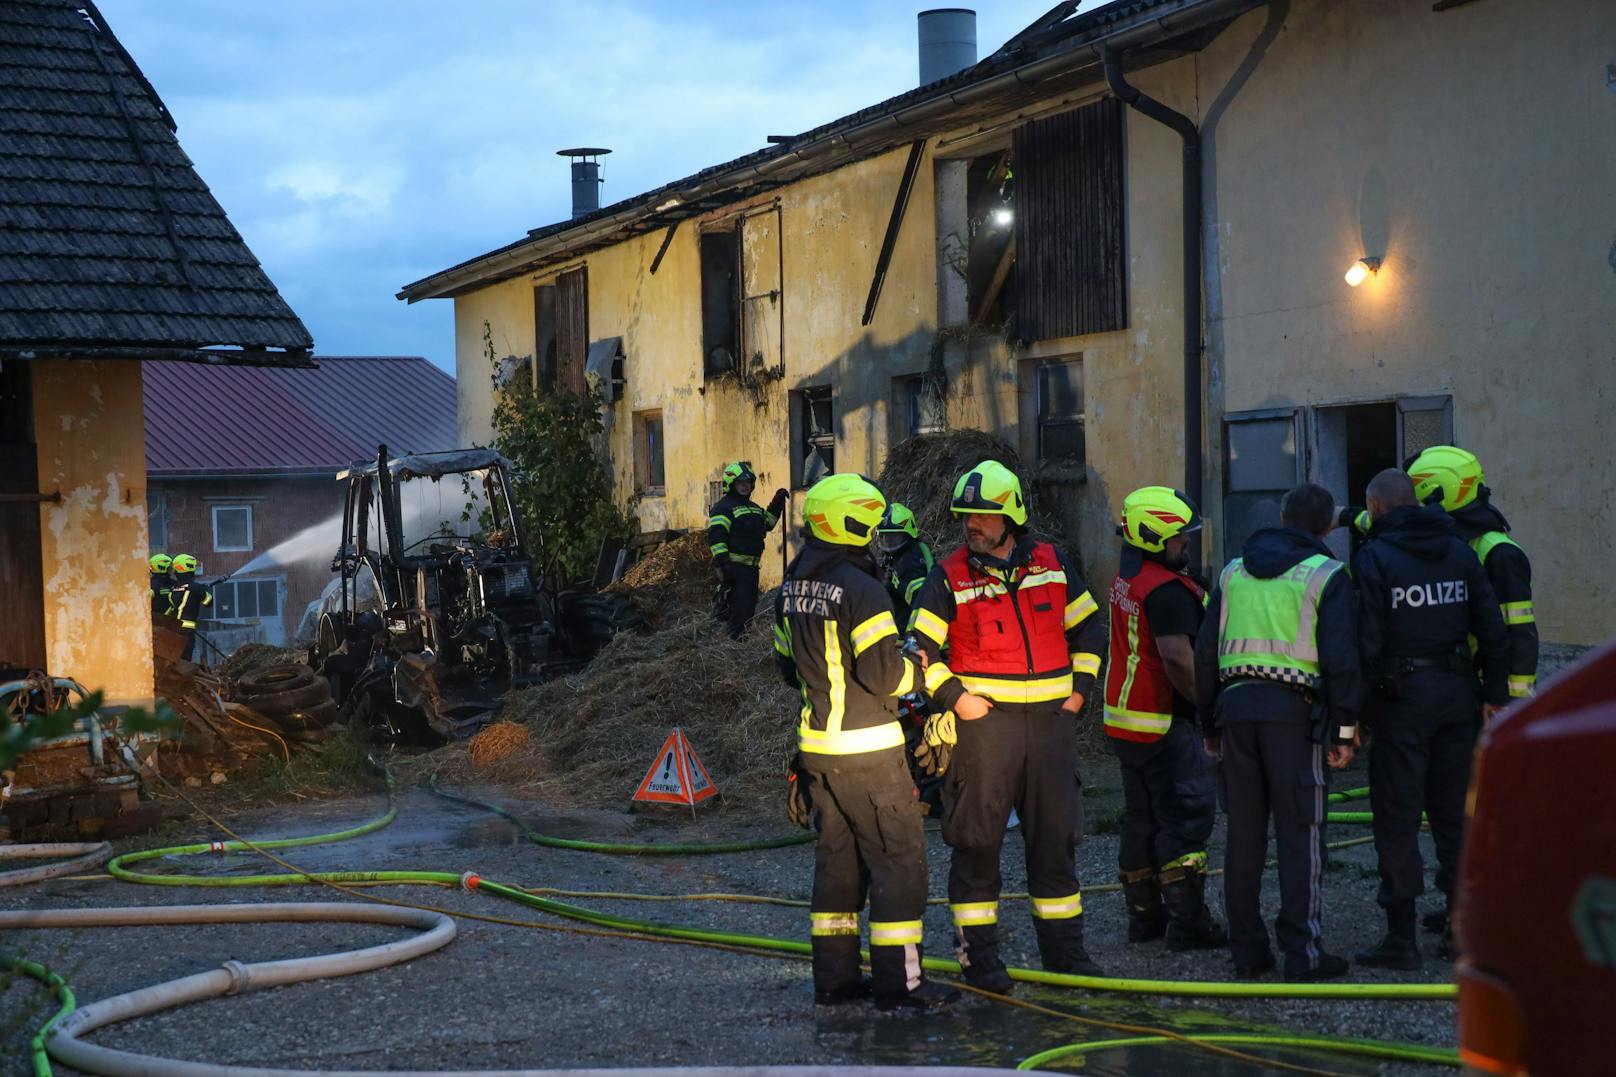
point(671, 581)
point(498, 741)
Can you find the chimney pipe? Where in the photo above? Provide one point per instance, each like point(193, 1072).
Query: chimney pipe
point(947, 42)
point(586, 179)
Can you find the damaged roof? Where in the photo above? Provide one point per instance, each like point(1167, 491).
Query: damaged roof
point(1059, 51)
point(243, 421)
point(110, 243)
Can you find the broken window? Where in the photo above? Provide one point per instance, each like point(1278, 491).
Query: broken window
point(1059, 400)
point(544, 338)
point(649, 452)
point(246, 600)
point(815, 455)
point(919, 407)
point(1071, 273)
point(232, 528)
point(990, 261)
point(720, 253)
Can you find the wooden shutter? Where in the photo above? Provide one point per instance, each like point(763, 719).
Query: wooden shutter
point(1071, 267)
point(572, 329)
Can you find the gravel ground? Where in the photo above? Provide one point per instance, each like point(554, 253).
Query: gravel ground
point(502, 996)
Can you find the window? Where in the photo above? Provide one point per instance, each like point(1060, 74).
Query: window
point(246, 600)
point(561, 332)
point(720, 301)
point(232, 528)
point(990, 260)
point(815, 436)
point(1069, 229)
point(921, 410)
point(544, 338)
point(157, 522)
point(1262, 461)
point(648, 452)
point(1423, 421)
point(1060, 412)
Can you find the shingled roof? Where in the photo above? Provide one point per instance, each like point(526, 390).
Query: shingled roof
point(110, 243)
point(213, 422)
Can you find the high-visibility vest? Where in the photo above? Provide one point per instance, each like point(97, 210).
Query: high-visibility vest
point(1268, 628)
point(1138, 695)
point(1010, 646)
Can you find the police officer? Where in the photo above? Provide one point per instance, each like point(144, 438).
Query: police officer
point(188, 598)
point(1022, 643)
point(735, 533)
point(1168, 787)
point(162, 582)
point(906, 556)
point(838, 645)
point(1277, 676)
point(1422, 592)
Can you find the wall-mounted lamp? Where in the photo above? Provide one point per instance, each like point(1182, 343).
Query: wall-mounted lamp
point(1361, 269)
point(1003, 216)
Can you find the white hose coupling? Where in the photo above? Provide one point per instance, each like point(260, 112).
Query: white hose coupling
point(240, 977)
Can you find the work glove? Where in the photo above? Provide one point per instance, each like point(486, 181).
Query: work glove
point(935, 750)
point(777, 503)
point(799, 805)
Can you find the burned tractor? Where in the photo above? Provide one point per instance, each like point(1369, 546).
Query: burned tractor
point(438, 607)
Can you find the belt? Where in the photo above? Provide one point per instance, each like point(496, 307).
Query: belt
point(1450, 663)
point(1300, 689)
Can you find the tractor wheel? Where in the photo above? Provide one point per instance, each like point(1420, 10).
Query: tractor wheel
point(314, 694)
point(275, 680)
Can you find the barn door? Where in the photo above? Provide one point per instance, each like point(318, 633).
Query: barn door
point(22, 582)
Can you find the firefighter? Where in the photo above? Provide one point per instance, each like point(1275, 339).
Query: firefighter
point(1276, 677)
point(188, 597)
point(735, 534)
point(838, 645)
point(162, 582)
point(1168, 787)
point(1022, 649)
point(906, 557)
point(1422, 593)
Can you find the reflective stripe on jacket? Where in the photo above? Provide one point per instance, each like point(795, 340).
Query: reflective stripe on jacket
point(1510, 573)
point(1267, 628)
point(1138, 695)
point(736, 530)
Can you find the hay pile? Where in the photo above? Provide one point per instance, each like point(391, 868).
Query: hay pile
point(594, 734)
point(671, 581)
point(254, 658)
point(921, 471)
point(496, 742)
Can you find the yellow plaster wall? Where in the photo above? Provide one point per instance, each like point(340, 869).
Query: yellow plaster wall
point(91, 442)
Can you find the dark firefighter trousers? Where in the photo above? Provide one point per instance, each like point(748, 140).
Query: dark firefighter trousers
point(1022, 757)
point(1424, 736)
point(1169, 798)
point(737, 597)
point(871, 843)
point(1272, 768)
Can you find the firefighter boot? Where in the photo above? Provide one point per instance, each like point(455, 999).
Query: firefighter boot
point(1190, 924)
point(899, 983)
point(1060, 946)
point(979, 957)
point(1147, 920)
point(836, 970)
point(1399, 949)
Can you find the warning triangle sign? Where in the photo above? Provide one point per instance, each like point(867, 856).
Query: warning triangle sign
point(676, 775)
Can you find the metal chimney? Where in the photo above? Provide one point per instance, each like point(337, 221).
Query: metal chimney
point(947, 42)
point(586, 179)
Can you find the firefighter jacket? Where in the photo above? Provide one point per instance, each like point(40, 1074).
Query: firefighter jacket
point(736, 530)
point(1139, 699)
point(1421, 594)
point(188, 598)
point(1283, 612)
point(905, 575)
point(160, 592)
point(1510, 573)
point(837, 643)
point(1021, 634)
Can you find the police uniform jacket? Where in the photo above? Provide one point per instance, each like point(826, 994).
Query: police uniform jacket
point(1421, 594)
point(838, 644)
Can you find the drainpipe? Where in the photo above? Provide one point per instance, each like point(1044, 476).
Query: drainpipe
point(1192, 269)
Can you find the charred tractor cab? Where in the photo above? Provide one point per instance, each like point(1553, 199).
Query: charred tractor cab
point(438, 608)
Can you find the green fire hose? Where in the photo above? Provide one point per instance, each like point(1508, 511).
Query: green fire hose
point(63, 993)
point(1394, 1052)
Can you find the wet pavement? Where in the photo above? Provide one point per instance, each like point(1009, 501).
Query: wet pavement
point(502, 996)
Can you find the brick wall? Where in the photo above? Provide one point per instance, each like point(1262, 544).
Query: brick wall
point(281, 509)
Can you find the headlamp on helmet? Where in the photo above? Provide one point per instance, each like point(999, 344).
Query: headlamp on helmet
point(844, 510)
point(1153, 514)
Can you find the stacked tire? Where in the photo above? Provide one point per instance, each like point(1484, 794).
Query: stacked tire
point(294, 697)
point(599, 617)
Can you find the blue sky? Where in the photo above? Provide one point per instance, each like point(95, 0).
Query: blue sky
point(361, 145)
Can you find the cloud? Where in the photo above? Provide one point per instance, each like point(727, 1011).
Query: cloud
point(364, 145)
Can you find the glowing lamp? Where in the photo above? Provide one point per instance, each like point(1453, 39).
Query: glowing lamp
point(1361, 269)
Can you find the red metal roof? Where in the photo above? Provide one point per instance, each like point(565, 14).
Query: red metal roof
point(218, 420)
